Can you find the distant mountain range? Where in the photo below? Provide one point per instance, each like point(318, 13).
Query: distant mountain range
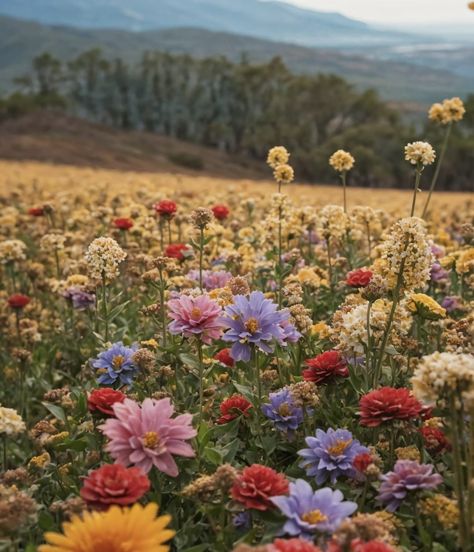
point(21, 41)
point(271, 20)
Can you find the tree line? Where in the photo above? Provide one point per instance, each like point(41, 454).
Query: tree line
point(245, 108)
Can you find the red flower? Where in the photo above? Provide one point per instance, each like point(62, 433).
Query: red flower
point(256, 485)
point(233, 407)
point(221, 212)
point(359, 278)
point(166, 208)
point(293, 545)
point(36, 211)
point(372, 546)
point(18, 301)
point(325, 366)
point(224, 356)
point(102, 400)
point(175, 251)
point(123, 223)
point(362, 461)
point(114, 484)
point(387, 404)
point(435, 440)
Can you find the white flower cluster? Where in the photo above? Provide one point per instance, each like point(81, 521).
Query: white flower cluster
point(52, 242)
point(12, 250)
point(420, 153)
point(11, 422)
point(341, 161)
point(103, 257)
point(333, 222)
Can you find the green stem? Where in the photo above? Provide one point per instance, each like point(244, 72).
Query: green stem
point(343, 178)
point(105, 313)
point(201, 253)
point(280, 258)
point(419, 170)
point(201, 381)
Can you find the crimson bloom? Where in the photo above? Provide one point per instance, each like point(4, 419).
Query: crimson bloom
point(233, 407)
point(387, 404)
point(435, 440)
point(114, 484)
point(221, 212)
point(325, 366)
point(293, 545)
point(123, 223)
point(102, 400)
point(175, 251)
point(359, 278)
point(362, 461)
point(256, 485)
point(224, 357)
point(18, 301)
point(36, 211)
point(166, 208)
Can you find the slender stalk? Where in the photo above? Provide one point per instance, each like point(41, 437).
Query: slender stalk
point(369, 344)
point(201, 380)
point(344, 182)
point(201, 253)
point(169, 232)
point(105, 314)
point(4, 451)
point(419, 170)
point(280, 256)
point(438, 168)
point(162, 307)
point(328, 246)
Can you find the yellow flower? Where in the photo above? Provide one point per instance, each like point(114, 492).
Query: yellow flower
point(321, 329)
point(465, 261)
point(277, 156)
point(425, 306)
point(341, 161)
point(284, 174)
point(135, 529)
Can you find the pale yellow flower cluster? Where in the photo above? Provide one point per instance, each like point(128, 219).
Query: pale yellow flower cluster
point(278, 155)
point(450, 110)
point(12, 250)
point(420, 153)
point(333, 222)
point(52, 242)
point(11, 422)
point(103, 258)
point(425, 306)
point(341, 161)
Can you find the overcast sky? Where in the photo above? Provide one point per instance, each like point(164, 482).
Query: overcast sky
point(396, 11)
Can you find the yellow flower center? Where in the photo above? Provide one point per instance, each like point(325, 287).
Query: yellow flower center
point(339, 447)
point(314, 517)
point(118, 360)
point(251, 325)
point(196, 313)
point(151, 439)
point(284, 409)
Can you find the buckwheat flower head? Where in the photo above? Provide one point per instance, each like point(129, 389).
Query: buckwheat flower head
point(11, 422)
point(445, 510)
point(277, 156)
point(420, 153)
point(17, 510)
point(12, 250)
point(333, 222)
point(341, 161)
point(437, 114)
point(52, 242)
point(454, 109)
point(103, 258)
point(284, 174)
point(201, 217)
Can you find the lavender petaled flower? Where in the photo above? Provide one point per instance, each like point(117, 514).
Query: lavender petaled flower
point(407, 475)
point(438, 273)
point(80, 299)
point(451, 303)
point(330, 455)
point(242, 521)
point(116, 364)
point(211, 279)
point(255, 321)
point(282, 410)
point(311, 512)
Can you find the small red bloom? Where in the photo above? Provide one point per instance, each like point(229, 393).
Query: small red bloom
point(221, 212)
point(293, 545)
point(325, 366)
point(36, 211)
point(175, 251)
point(359, 278)
point(233, 407)
point(256, 485)
point(18, 301)
point(435, 440)
point(103, 399)
point(123, 223)
point(358, 545)
point(166, 208)
point(387, 404)
point(114, 484)
point(224, 356)
point(362, 461)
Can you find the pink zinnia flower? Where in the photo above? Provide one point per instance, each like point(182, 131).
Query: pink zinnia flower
point(195, 317)
point(147, 436)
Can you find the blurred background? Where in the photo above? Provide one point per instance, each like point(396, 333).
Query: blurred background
point(208, 86)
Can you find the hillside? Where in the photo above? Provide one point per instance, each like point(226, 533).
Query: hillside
point(20, 41)
point(56, 138)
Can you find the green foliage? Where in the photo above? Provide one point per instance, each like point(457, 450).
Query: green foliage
point(188, 160)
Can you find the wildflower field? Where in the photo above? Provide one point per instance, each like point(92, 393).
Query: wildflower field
point(194, 364)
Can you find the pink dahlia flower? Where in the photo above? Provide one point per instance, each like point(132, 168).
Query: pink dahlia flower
point(147, 436)
point(195, 317)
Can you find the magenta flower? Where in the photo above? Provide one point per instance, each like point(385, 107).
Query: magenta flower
point(195, 317)
point(147, 436)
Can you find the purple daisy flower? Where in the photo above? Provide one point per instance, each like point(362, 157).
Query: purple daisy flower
point(116, 364)
point(438, 273)
point(80, 299)
point(211, 279)
point(451, 303)
point(283, 412)
point(310, 512)
point(256, 322)
point(330, 454)
point(407, 475)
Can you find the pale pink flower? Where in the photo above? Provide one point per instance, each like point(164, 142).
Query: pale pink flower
point(195, 317)
point(148, 436)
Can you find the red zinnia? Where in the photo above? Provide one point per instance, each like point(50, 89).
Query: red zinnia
point(256, 485)
point(114, 484)
point(224, 356)
point(234, 407)
point(166, 208)
point(358, 545)
point(103, 400)
point(221, 212)
point(36, 211)
point(362, 461)
point(387, 404)
point(175, 251)
point(359, 278)
point(435, 440)
point(293, 545)
point(123, 223)
point(325, 366)
point(18, 301)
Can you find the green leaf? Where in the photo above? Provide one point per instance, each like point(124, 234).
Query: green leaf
point(198, 548)
point(45, 521)
point(213, 456)
point(55, 410)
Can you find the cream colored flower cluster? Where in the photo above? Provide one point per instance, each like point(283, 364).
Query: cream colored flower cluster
point(11, 422)
point(52, 242)
point(12, 250)
point(406, 249)
point(103, 258)
point(277, 159)
point(420, 153)
point(341, 161)
point(451, 110)
point(439, 375)
point(333, 222)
